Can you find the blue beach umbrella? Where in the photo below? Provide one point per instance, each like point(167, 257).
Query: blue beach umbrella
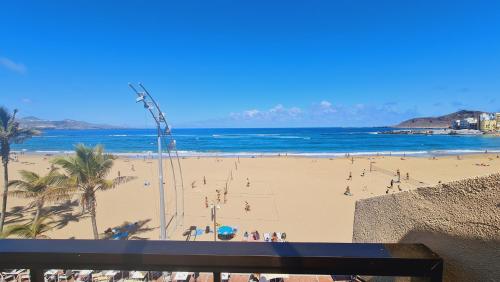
point(225, 230)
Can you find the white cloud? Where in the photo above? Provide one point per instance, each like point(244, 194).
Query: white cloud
point(323, 113)
point(251, 113)
point(12, 66)
point(278, 112)
point(325, 104)
point(326, 107)
point(26, 100)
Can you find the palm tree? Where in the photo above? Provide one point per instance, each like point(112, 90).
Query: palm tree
point(42, 189)
point(30, 230)
point(10, 133)
point(87, 172)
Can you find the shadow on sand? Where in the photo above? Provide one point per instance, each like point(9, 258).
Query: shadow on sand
point(132, 230)
point(61, 214)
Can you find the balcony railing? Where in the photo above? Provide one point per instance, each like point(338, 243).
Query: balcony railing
point(235, 257)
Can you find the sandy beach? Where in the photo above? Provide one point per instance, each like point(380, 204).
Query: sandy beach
point(303, 197)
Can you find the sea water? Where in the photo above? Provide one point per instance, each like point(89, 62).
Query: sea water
point(319, 142)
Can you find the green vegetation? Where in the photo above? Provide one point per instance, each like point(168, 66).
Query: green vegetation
point(87, 172)
point(10, 132)
point(49, 188)
point(30, 230)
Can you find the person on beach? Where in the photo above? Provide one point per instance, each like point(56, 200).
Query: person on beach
point(407, 176)
point(218, 196)
point(119, 174)
point(352, 160)
point(248, 182)
point(350, 176)
point(347, 191)
point(256, 235)
point(247, 206)
point(274, 238)
point(204, 180)
point(225, 196)
point(206, 202)
point(398, 173)
point(363, 173)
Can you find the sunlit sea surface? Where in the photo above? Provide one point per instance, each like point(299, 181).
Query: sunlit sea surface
point(319, 142)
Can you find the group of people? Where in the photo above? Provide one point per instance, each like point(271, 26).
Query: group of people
point(347, 191)
point(268, 237)
point(398, 175)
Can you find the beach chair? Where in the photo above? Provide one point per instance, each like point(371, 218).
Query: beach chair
point(154, 275)
point(12, 274)
point(112, 274)
point(137, 275)
point(51, 275)
point(167, 277)
point(83, 275)
point(62, 277)
point(181, 276)
point(23, 277)
point(99, 277)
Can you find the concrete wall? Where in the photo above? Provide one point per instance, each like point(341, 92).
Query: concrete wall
point(459, 220)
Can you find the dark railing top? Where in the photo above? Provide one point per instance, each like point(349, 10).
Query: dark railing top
point(243, 257)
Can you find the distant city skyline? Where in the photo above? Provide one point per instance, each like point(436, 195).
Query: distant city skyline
point(250, 64)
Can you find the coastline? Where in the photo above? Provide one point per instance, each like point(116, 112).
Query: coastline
point(195, 154)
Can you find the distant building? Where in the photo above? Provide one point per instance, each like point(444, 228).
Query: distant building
point(488, 125)
point(498, 121)
point(466, 123)
point(487, 122)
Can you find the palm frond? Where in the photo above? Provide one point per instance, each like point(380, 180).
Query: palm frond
point(5, 117)
point(28, 176)
point(23, 194)
point(31, 230)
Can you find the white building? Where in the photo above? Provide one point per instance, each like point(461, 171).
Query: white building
point(466, 123)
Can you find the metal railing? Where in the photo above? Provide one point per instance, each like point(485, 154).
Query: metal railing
point(234, 257)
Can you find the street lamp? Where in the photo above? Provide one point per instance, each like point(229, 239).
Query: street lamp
point(214, 209)
point(163, 130)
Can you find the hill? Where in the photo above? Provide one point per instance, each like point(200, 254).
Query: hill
point(38, 123)
point(437, 122)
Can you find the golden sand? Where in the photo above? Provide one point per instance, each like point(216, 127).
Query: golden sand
point(303, 197)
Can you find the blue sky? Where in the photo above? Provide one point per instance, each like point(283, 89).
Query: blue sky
point(250, 63)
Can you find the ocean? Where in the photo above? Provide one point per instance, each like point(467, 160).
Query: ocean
point(318, 142)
